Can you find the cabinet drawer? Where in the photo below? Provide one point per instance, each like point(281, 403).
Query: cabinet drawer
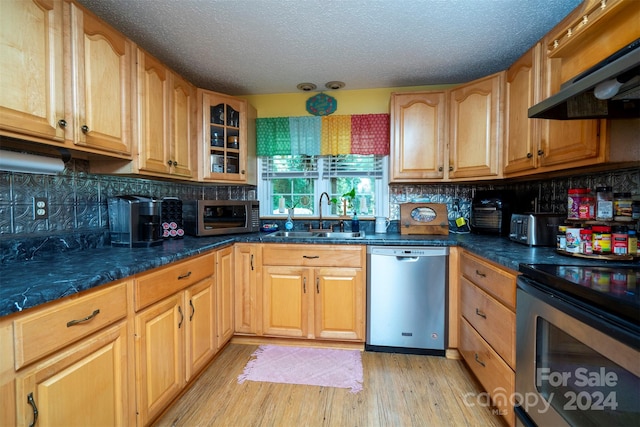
point(43, 332)
point(496, 377)
point(493, 321)
point(166, 281)
point(497, 282)
point(314, 256)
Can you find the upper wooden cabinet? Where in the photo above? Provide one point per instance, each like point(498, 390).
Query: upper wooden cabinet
point(475, 128)
point(166, 120)
point(31, 65)
point(418, 136)
point(226, 140)
point(100, 91)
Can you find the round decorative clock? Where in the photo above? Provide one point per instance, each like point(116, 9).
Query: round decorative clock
point(321, 105)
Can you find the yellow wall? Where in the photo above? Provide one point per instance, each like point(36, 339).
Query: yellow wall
point(365, 101)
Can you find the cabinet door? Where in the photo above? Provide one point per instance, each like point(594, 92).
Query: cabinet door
point(201, 325)
point(286, 302)
point(85, 385)
point(183, 127)
point(160, 352)
point(224, 295)
point(247, 298)
point(339, 308)
point(521, 134)
point(224, 138)
point(417, 136)
point(153, 110)
point(101, 75)
point(31, 66)
point(475, 128)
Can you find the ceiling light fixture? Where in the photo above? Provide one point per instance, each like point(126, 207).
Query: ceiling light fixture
point(306, 87)
point(334, 85)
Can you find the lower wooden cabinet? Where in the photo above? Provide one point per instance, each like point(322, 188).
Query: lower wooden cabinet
point(247, 298)
point(488, 328)
point(224, 296)
point(175, 337)
point(323, 297)
point(85, 385)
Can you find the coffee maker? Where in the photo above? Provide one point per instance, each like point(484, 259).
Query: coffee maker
point(134, 221)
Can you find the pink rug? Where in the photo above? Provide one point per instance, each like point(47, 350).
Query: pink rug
point(307, 366)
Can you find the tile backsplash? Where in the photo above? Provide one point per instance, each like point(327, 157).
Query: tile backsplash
point(78, 199)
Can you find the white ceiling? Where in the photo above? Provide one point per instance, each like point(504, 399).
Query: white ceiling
point(245, 47)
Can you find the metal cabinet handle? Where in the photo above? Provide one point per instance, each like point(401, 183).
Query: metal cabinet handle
point(450, 168)
point(175, 163)
point(181, 317)
point(480, 274)
point(540, 152)
point(193, 310)
point(479, 361)
point(251, 262)
point(529, 155)
point(84, 128)
point(34, 407)
point(62, 123)
point(184, 276)
point(89, 317)
point(440, 169)
point(317, 285)
point(480, 313)
point(170, 162)
point(311, 256)
point(304, 285)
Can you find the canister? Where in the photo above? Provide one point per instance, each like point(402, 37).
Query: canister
point(587, 208)
point(585, 241)
point(632, 242)
point(619, 240)
point(573, 240)
point(573, 201)
point(604, 203)
point(622, 206)
point(601, 239)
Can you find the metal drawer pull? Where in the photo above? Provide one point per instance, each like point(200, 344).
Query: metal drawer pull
point(310, 257)
point(89, 317)
point(181, 317)
point(481, 314)
point(480, 274)
point(193, 310)
point(317, 285)
point(479, 361)
point(34, 407)
point(304, 285)
point(251, 262)
point(184, 276)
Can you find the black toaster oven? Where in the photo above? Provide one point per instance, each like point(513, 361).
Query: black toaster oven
point(491, 212)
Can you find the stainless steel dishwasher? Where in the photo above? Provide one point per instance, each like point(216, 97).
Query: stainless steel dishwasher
point(407, 299)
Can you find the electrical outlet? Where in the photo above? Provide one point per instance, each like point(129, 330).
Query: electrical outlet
point(40, 208)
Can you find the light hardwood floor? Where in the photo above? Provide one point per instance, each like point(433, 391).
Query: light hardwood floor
point(399, 390)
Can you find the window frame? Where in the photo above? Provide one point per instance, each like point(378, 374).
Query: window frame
point(381, 190)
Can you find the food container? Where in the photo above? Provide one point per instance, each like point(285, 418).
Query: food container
point(622, 206)
point(619, 240)
point(232, 142)
point(601, 239)
point(573, 240)
point(585, 241)
point(573, 201)
point(604, 203)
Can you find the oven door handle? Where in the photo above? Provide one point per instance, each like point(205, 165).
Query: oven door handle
point(523, 417)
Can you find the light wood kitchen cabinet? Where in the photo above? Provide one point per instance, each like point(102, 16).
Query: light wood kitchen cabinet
point(224, 296)
point(71, 360)
point(166, 120)
point(521, 134)
point(314, 292)
point(31, 65)
point(418, 126)
point(100, 94)
point(175, 330)
point(226, 139)
point(488, 328)
point(247, 263)
point(475, 128)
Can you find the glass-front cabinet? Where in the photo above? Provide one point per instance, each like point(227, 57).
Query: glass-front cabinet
point(228, 139)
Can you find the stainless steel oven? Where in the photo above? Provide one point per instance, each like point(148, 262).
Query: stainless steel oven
point(577, 346)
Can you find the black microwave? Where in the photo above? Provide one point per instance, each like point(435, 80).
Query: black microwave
point(216, 217)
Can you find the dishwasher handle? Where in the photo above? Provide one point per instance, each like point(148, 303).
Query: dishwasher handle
point(407, 258)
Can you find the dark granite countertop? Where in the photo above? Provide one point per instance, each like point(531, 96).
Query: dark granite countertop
point(53, 275)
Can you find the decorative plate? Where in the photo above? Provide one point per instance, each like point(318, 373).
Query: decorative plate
point(321, 105)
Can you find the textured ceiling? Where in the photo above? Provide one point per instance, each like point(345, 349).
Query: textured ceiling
point(245, 47)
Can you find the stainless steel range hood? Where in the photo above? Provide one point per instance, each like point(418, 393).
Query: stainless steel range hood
point(577, 100)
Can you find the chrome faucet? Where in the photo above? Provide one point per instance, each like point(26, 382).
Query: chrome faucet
point(320, 207)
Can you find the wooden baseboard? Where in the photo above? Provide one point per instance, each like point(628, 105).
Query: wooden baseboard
point(255, 340)
point(452, 353)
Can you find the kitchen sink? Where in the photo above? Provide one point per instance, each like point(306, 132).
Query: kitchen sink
point(318, 234)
